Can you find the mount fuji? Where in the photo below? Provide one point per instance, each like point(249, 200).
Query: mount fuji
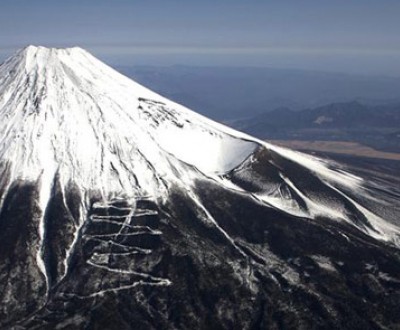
point(120, 209)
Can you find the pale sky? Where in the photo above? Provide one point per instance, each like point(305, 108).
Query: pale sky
point(361, 36)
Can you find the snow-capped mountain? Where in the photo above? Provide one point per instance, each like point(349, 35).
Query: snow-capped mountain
point(118, 201)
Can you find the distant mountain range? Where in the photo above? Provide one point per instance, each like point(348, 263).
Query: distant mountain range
point(376, 126)
point(230, 93)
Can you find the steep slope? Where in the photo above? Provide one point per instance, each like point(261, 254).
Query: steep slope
point(66, 112)
point(121, 209)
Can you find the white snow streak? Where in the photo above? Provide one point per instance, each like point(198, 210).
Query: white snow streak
point(63, 111)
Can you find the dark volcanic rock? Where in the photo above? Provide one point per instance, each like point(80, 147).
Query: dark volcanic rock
point(269, 270)
point(120, 209)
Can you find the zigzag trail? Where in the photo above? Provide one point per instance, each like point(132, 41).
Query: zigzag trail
point(66, 114)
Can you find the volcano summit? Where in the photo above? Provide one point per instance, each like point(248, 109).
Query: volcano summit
point(120, 209)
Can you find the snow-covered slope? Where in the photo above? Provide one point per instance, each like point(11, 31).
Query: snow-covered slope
point(65, 113)
point(120, 209)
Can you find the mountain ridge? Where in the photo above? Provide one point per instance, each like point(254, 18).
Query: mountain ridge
point(375, 126)
point(122, 209)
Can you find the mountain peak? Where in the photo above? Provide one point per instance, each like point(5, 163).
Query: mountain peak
point(33, 51)
point(37, 57)
point(64, 112)
point(112, 195)
point(66, 115)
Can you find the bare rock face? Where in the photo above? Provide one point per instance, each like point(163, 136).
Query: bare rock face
point(123, 210)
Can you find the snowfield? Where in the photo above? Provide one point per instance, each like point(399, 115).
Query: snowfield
point(64, 113)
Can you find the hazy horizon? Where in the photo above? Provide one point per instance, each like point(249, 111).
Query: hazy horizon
point(340, 36)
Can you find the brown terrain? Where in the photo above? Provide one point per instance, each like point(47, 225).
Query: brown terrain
point(338, 147)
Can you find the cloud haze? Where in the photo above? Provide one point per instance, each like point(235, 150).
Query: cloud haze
point(352, 35)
